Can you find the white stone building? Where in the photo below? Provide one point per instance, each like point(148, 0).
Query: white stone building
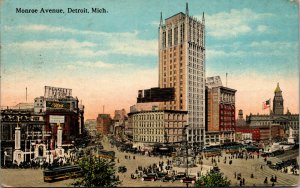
point(160, 126)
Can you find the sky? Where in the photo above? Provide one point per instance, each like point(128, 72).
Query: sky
point(105, 58)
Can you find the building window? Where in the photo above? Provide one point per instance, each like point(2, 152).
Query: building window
point(175, 35)
point(164, 40)
point(170, 37)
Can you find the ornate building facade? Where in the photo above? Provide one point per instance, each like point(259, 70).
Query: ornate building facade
point(276, 118)
point(35, 124)
point(158, 126)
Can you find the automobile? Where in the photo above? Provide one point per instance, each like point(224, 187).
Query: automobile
point(216, 169)
point(161, 174)
point(180, 175)
point(265, 154)
point(134, 176)
point(168, 178)
point(150, 177)
point(189, 179)
point(99, 147)
point(273, 166)
point(122, 169)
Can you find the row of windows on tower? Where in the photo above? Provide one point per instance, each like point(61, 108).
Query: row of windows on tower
point(195, 90)
point(195, 35)
point(227, 97)
point(195, 106)
point(196, 60)
point(227, 106)
point(172, 55)
point(172, 35)
point(225, 112)
point(195, 113)
point(196, 72)
point(227, 118)
point(195, 95)
point(195, 119)
point(195, 103)
point(195, 84)
point(174, 48)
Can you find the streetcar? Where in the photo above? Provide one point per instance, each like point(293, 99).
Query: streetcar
point(212, 152)
point(61, 173)
point(106, 154)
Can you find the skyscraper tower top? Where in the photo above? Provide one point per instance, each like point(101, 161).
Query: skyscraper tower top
point(278, 101)
point(187, 9)
point(277, 90)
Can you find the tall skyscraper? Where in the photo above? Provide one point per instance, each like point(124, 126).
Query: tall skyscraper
point(182, 66)
point(278, 101)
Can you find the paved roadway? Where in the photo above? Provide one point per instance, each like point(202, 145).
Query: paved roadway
point(31, 177)
point(27, 178)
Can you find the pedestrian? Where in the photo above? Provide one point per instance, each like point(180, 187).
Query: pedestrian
point(266, 181)
point(243, 181)
point(234, 174)
point(275, 178)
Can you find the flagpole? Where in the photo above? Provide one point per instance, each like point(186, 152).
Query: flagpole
point(270, 107)
point(270, 126)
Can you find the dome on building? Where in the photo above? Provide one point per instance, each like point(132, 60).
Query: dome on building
point(277, 89)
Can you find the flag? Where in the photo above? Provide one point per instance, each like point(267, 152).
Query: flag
point(266, 104)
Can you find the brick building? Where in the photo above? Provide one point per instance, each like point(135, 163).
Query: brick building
point(104, 123)
point(220, 112)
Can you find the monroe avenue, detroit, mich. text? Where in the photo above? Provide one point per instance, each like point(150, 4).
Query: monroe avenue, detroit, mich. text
point(60, 11)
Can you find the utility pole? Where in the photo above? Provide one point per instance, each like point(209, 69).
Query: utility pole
point(226, 78)
point(187, 155)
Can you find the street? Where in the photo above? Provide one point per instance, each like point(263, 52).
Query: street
point(34, 177)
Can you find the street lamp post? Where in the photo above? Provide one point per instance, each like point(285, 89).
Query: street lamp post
point(5, 154)
point(187, 154)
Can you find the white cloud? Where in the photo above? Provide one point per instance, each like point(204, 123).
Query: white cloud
point(219, 53)
point(262, 28)
point(233, 23)
point(134, 47)
point(51, 44)
point(125, 43)
point(97, 64)
point(155, 23)
point(71, 67)
point(55, 29)
point(255, 48)
point(90, 53)
point(273, 44)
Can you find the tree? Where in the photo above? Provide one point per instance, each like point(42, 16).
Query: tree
point(213, 179)
point(96, 172)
